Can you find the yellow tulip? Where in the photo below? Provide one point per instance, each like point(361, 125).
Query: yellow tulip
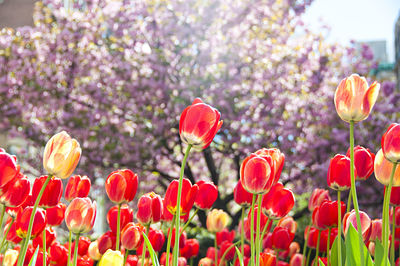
point(217, 220)
point(61, 155)
point(10, 257)
point(112, 258)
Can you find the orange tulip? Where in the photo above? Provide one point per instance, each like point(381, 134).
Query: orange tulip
point(61, 155)
point(354, 99)
point(383, 168)
point(80, 215)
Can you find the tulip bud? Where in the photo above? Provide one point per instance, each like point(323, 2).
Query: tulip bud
point(55, 215)
point(112, 258)
point(14, 193)
point(77, 187)
point(121, 186)
point(58, 254)
point(395, 196)
point(131, 236)
point(206, 196)
point(366, 224)
point(150, 208)
point(383, 169)
point(257, 173)
point(106, 241)
point(8, 168)
point(125, 218)
point(157, 239)
point(391, 143)
point(188, 196)
point(22, 222)
point(354, 99)
point(376, 230)
point(339, 173)
point(242, 196)
point(289, 223)
point(80, 215)
point(206, 262)
point(217, 220)
point(93, 251)
point(278, 202)
point(10, 257)
point(363, 162)
point(198, 124)
point(225, 235)
point(61, 155)
point(191, 249)
point(317, 197)
point(281, 238)
point(296, 260)
point(52, 193)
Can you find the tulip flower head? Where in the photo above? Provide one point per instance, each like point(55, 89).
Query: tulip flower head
point(198, 125)
point(354, 99)
point(52, 193)
point(14, 193)
point(241, 195)
point(150, 208)
point(8, 168)
point(22, 222)
point(317, 197)
point(207, 195)
point(121, 186)
point(391, 143)
point(80, 215)
point(125, 218)
point(188, 196)
point(339, 173)
point(93, 251)
point(217, 220)
point(77, 187)
point(366, 224)
point(131, 236)
point(55, 215)
point(61, 155)
point(256, 174)
point(363, 162)
point(10, 257)
point(112, 258)
point(383, 168)
point(376, 230)
point(278, 202)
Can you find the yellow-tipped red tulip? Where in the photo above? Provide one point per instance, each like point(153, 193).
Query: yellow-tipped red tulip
point(80, 215)
point(354, 99)
point(61, 155)
point(112, 258)
point(383, 168)
point(217, 220)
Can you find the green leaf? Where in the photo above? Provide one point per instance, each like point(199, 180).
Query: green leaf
point(34, 257)
point(240, 257)
point(353, 255)
point(320, 262)
point(379, 254)
point(153, 255)
point(334, 252)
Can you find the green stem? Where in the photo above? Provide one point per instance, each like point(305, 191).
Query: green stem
point(189, 221)
point(169, 240)
point(215, 251)
point(392, 244)
point(317, 253)
point(126, 256)
point(252, 229)
point(119, 227)
point(145, 246)
point(21, 256)
point(339, 235)
point(328, 246)
point(69, 247)
point(308, 257)
point(44, 246)
point(3, 211)
point(5, 236)
point(242, 233)
point(191, 261)
point(265, 229)
point(354, 193)
point(258, 244)
point(385, 228)
point(348, 203)
point(305, 245)
point(76, 249)
point(178, 206)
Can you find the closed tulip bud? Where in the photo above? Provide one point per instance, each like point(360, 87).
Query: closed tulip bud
point(188, 196)
point(354, 99)
point(242, 196)
point(191, 249)
point(112, 258)
point(83, 246)
point(278, 202)
point(22, 222)
point(121, 186)
point(58, 254)
point(125, 218)
point(131, 236)
point(339, 173)
point(93, 251)
point(391, 143)
point(77, 187)
point(376, 230)
point(281, 238)
point(255, 174)
point(55, 215)
point(312, 233)
point(198, 124)
point(296, 260)
point(207, 195)
point(157, 239)
point(150, 208)
point(61, 155)
point(10, 257)
point(289, 223)
point(326, 215)
point(366, 224)
point(80, 215)
point(52, 193)
point(8, 168)
point(317, 197)
point(383, 169)
point(106, 241)
point(363, 162)
point(224, 247)
point(225, 235)
point(217, 220)
point(51, 236)
point(395, 196)
point(14, 193)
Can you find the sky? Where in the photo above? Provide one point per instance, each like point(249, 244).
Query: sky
point(360, 20)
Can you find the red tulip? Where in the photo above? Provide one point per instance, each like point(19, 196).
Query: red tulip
point(83, 246)
point(181, 260)
point(296, 260)
point(207, 195)
point(281, 238)
point(12, 233)
point(278, 202)
point(55, 215)
point(323, 245)
point(241, 196)
point(131, 236)
point(198, 125)
point(376, 230)
point(13, 211)
point(106, 241)
point(80, 215)
point(289, 223)
point(157, 239)
point(52, 193)
point(294, 248)
point(395, 196)
point(126, 217)
point(85, 261)
point(121, 186)
point(133, 260)
point(225, 235)
point(383, 169)
point(188, 196)
point(50, 238)
point(256, 174)
point(391, 143)
point(8, 168)
point(224, 247)
point(268, 259)
point(339, 173)
point(22, 222)
point(77, 187)
point(150, 208)
point(366, 224)
point(354, 99)
point(14, 193)
point(363, 162)
point(312, 236)
point(326, 215)
point(58, 254)
point(182, 238)
point(317, 197)
point(191, 249)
